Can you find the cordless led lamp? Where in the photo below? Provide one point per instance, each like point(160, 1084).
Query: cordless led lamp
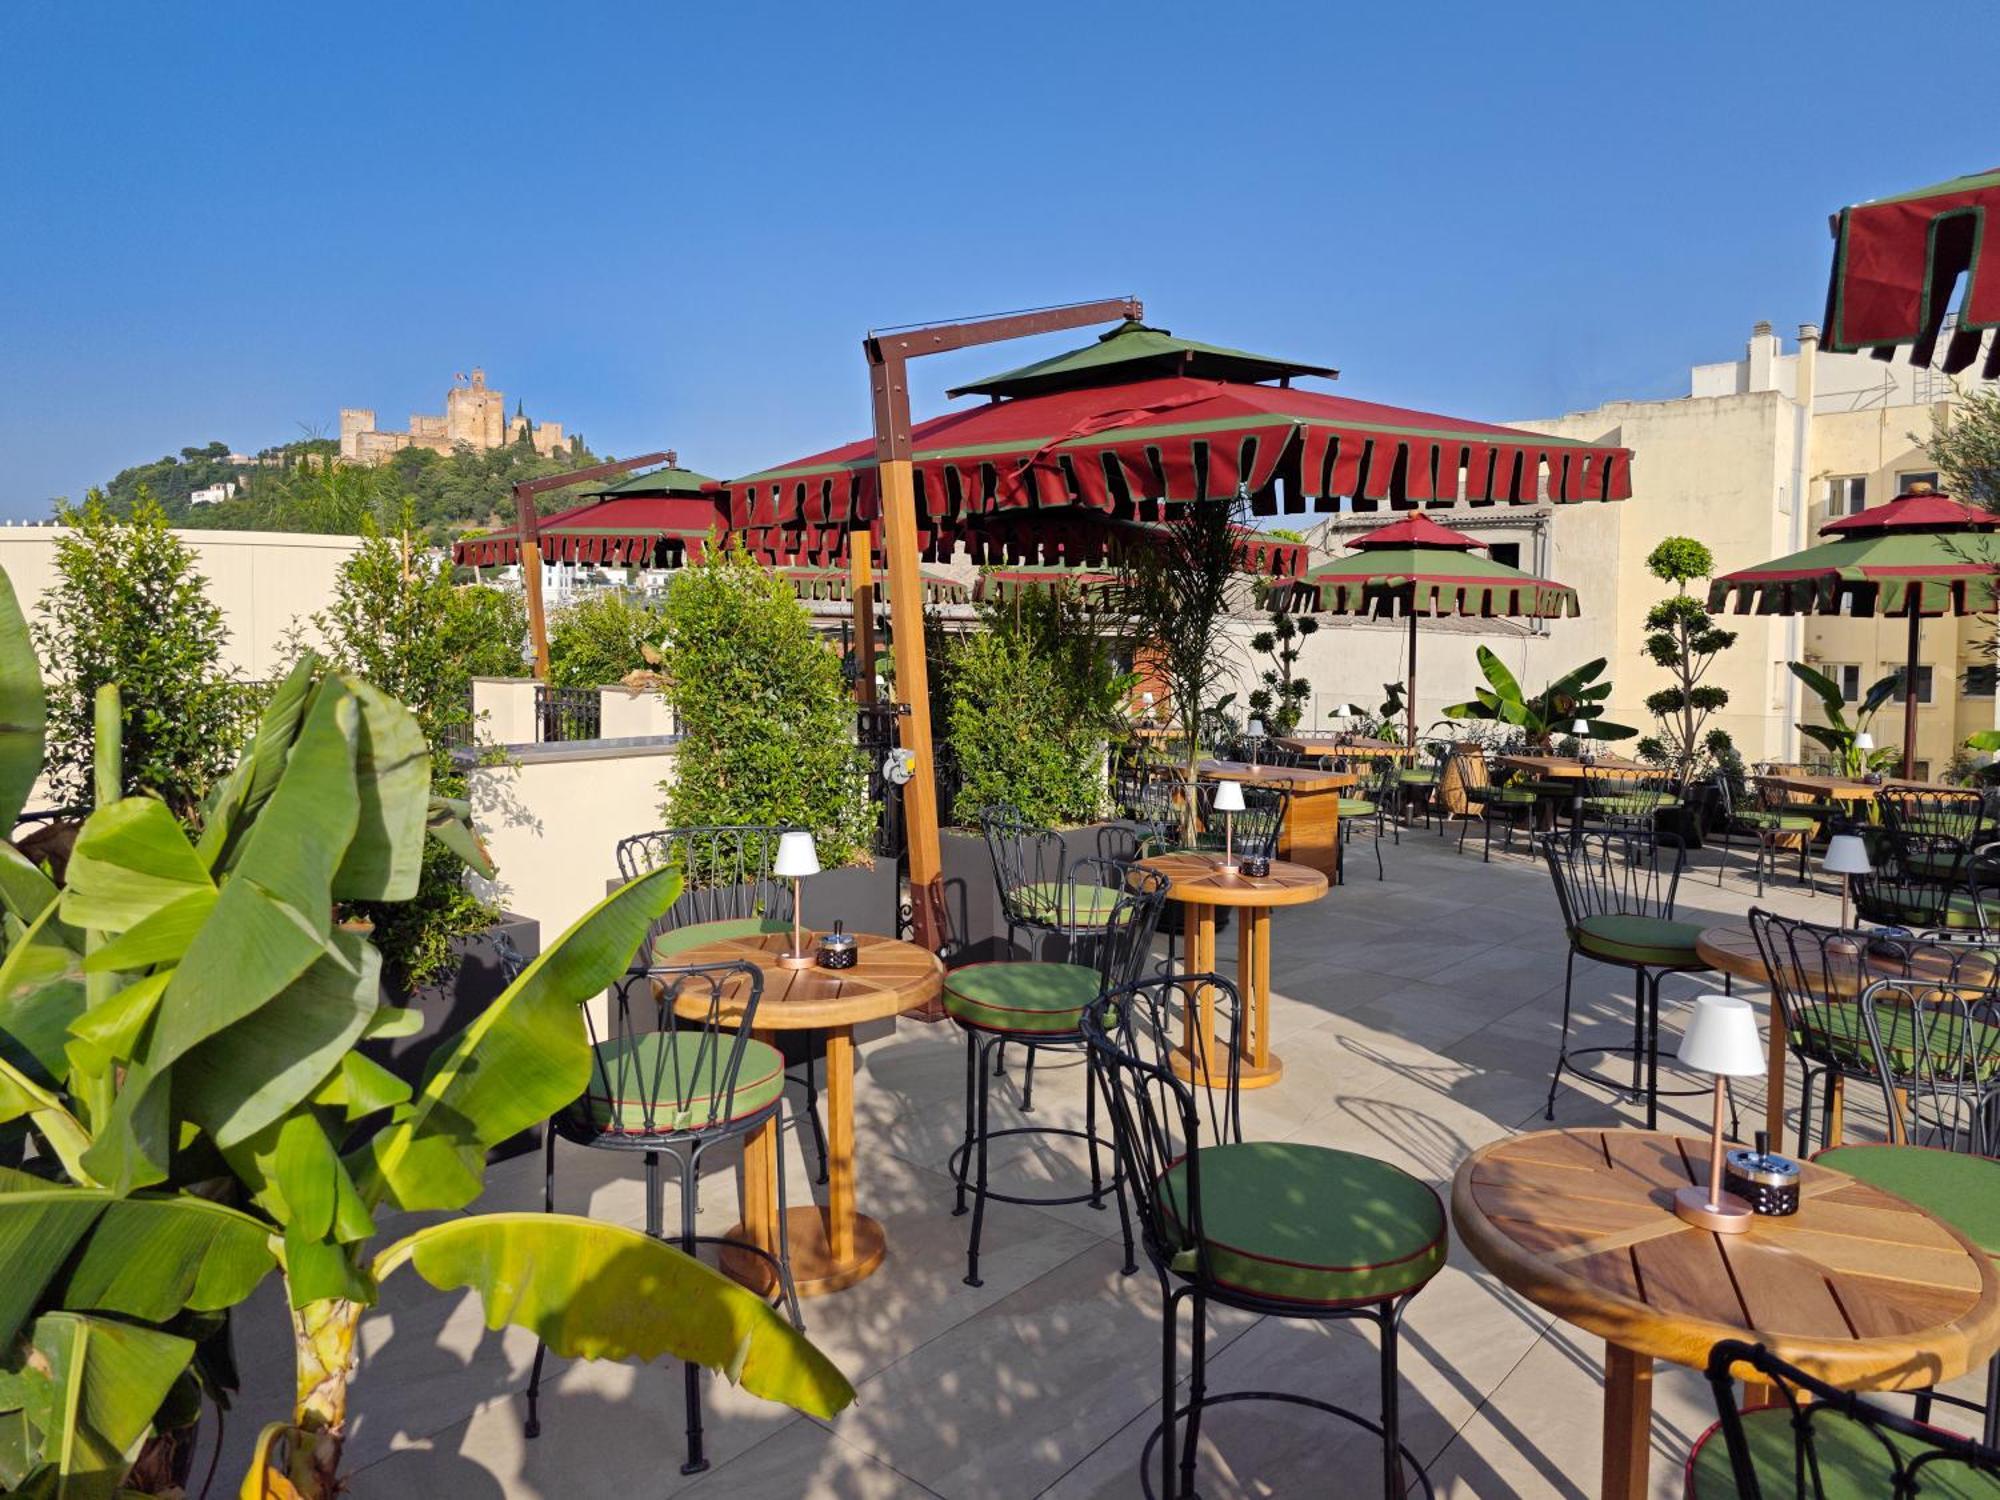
point(1254, 733)
point(796, 859)
point(1846, 856)
point(1721, 1039)
point(1228, 802)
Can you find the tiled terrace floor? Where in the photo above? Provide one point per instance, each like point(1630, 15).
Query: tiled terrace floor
point(1417, 1019)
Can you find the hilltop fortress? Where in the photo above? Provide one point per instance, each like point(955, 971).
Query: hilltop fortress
point(474, 416)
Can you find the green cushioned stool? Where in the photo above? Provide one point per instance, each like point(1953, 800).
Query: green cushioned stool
point(1640, 940)
point(1309, 1224)
point(1043, 999)
point(666, 1081)
point(1851, 1461)
point(1767, 820)
point(1356, 807)
point(1961, 1189)
point(1065, 903)
point(1514, 796)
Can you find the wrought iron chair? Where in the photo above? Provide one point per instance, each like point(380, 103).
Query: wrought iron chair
point(677, 1073)
point(1927, 884)
point(1255, 831)
point(1040, 1006)
point(1279, 1229)
point(1370, 806)
point(1818, 975)
point(1616, 890)
point(1768, 824)
point(1489, 800)
point(729, 891)
point(1818, 1442)
point(1627, 803)
point(1936, 831)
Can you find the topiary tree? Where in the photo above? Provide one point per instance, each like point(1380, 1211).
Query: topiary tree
point(1281, 701)
point(767, 727)
point(130, 606)
point(1682, 636)
point(598, 640)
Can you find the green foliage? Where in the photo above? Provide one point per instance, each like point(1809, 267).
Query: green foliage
point(767, 726)
point(23, 708)
point(130, 606)
point(208, 1114)
point(1967, 449)
point(1682, 636)
point(1679, 560)
point(1549, 713)
point(169, 481)
point(599, 639)
point(1838, 734)
point(1031, 705)
point(398, 621)
point(1281, 701)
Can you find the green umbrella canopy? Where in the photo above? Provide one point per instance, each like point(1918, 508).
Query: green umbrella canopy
point(1417, 567)
point(1921, 552)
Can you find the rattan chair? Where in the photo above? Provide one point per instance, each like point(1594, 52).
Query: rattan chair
point(1814, 1441)
point(1106, 923)
point(1277, 1229)
point(676, 1072)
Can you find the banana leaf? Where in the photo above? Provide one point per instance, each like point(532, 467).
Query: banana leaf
point(88, 1398)
point(392, 775)
point(1504, 681)
point(600, 1291)
point(23, 712)
point(1829, 691)
point(237, 798)
point(524, 1058)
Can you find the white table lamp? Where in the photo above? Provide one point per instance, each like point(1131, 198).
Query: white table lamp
point(797, 858)
point(1846, 856)
point(1228, 802)
point(1721, 1038)
point(1864, 741)
point(1253, 732)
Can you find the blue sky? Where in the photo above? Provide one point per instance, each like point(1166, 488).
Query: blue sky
point(670, 225)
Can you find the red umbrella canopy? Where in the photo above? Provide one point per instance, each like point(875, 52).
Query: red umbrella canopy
point(1414, 567)
point(1141, 421)
point(659, 518)
point(1895, 261)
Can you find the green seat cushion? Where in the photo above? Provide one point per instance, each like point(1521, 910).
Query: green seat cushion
point(1942, 864)
point(662, 1082)
point(1045, 999)
point(1769, 820)
point(1852, 1463)
point(1417, 778)
point(1356, 807)
point(1630, 804)
point(1512, 796)
point(1959, 911)
point(669, 946)
point(1639, 940)
point(1068, 901)
point(1961, 1189)
point(1844, 1032)
point(1309, 1224)
point(1548, 788)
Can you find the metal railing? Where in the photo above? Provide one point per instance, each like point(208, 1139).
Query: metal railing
point(567, 714)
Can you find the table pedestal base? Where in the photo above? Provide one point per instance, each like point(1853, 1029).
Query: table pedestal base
point(1250, 1075)
point(814, 1270)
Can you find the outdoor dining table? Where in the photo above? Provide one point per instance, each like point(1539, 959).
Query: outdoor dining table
point(1311, 835)
point(1200, 884)
point(835, 1246)
point(1337, 747)
point(1860, 1288)
point(1844, 788)
point(1559, 768)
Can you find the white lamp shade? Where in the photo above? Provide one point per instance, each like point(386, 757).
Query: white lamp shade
point(1846, 854)
point(1864, 741)
point(1228, 797)
point(1722, 1038)
point(1147, 699)
point(1581, 726)
point(1255, 729)
point(796, 856)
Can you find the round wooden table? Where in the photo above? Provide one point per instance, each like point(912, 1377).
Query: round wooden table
point(835, 1246)
point(1200, 884)
point(1860, 1288)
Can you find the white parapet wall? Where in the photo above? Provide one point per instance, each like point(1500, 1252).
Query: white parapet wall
point(552, 816)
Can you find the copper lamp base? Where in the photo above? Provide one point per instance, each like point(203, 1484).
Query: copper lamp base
point(1728, 1215)
point(805, 959)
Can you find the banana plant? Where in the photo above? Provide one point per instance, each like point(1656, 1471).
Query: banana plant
point(1549, 713)
point(1837, 734)
point(181, 1052)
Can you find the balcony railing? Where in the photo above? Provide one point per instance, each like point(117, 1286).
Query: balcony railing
point(567, 714)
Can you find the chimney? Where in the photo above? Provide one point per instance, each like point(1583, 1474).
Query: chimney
point(1763, 358)
point(1805, 381)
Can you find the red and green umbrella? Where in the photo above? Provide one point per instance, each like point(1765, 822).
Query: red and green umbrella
point(1895, 262)
point(659, 519)
point(1414, 568)
point(1920, 554)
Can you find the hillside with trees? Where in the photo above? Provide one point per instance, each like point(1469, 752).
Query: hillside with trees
point(303, 487)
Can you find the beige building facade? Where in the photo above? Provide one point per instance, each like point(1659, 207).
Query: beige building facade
point(475, 417)
point(1750, 463)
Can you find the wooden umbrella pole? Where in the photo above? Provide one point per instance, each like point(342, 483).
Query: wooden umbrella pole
point(1910, 683)
point(1410, 688)
point(861, 576)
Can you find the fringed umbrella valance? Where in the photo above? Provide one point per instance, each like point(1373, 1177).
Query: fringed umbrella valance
point(1895, 261)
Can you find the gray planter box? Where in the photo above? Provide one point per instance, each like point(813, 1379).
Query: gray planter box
point(862, 898)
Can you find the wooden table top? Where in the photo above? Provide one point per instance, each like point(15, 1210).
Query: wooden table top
point(1199, 880)
point(1845, 789)
point(1858, 1287)
point(1303, 780)
point(1733, 949)
point(1336, 745)
point(1568, 766)
point(888, 977)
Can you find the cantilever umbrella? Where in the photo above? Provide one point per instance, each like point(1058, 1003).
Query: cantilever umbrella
point(1415, 567)
point(1920, 554)
point(657, 519)
point(1894, 263)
